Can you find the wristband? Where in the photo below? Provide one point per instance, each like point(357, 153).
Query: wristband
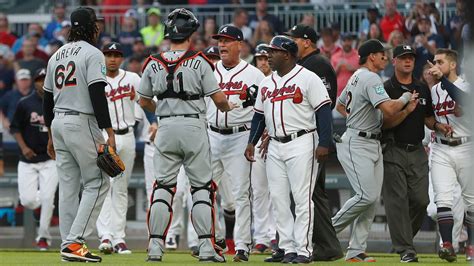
point(405, 98)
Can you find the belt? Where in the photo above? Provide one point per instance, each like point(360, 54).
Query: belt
point(408, 147)
point(453, 142)
point(293, 136)
point(187, 115)
point(228, 131)
point(69, 113)
point(122, 131)
point(370, 135)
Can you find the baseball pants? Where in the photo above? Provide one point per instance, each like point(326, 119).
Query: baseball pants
point(148, 152)
point(362, 161)
point(37, 184)
point(291, 168)
point(113, 216)
point(76, 139)
point(229, 162)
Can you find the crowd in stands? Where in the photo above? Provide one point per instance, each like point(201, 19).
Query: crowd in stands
point(422, 28)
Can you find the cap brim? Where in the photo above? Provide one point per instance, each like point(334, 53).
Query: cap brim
point(112, 51)
point(261, 54)
point(407, 52)
point(273, 47)
point(217, 36)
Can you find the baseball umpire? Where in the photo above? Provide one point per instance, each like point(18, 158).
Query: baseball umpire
point(75, 111)
point(364, 103)
point(180, 79)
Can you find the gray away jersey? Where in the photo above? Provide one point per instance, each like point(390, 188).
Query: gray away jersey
point(361, 96)
point(194, 75)
point(70, 71)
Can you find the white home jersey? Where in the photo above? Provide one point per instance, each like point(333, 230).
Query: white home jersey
point(121, 97)
point(289, 102)
point(234, 83)
point(444, 109)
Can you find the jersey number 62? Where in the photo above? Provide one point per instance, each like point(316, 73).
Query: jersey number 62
point(61, 78)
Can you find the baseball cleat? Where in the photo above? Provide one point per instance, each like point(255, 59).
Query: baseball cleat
point(446, 252)
point(409, 257)
point(106, 247)
point(153, 259)
point(259, 249)
point(300, 259)
point(277, 256)
point(469, 252)
point(121, 248)
point(221, 246)
point(195, 251)
point(362, 257)
point(216, 258)
point(289, 257)
point(241, 256)
point(42, 244)
point(79, 252)
point(171, 243)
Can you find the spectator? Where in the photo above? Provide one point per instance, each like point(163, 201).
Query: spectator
point(63, 34)
point(436, 24)
point(426, 44)
point(33, 43)
point(7, 75)
point(128, 35)
point(104, 37)
point(263, 33)
point(53, 46)
point(33, 29)
point(209, 29)
point(419, 10)
point(10, 99)
point(134, 64)
point(199, 43)
point(154, 33)
point(139, 48)
point(6, 37)
point(455, 24)
point(165, 45)
point(395, 39)
point(246, 52)
point(327, 46)
point(392, 19)
point(28, 60)
point(55, 25)
point(371, 17)
point(262, 14)
point(241, 19)
point(375, 33)
point(308, 20)
point(336, 33)
point(345, 62)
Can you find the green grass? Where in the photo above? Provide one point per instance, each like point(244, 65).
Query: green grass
point(31, 257)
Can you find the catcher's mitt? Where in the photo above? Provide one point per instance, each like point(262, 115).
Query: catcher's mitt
point(109, 161)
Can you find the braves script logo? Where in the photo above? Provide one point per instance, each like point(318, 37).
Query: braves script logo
point(235, 88)
point(289, 92)
point(121, 92)
point(444, 108)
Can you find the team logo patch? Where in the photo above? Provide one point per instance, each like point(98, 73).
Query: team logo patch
point(103, 69)
point(379, 89)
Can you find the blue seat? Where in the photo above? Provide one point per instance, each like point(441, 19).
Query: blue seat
point(10, 214)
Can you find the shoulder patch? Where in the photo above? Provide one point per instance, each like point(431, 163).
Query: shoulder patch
point(379, 89)
point(103, 69)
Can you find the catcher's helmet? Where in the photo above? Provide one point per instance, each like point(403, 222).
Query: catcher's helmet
point(181, 24)
point(283, 43)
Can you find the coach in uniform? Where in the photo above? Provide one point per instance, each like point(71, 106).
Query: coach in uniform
point(364, 102)
point(181, 78)
point(325, 242)
point(405, 160)
point(37, 175)
point(74, 88)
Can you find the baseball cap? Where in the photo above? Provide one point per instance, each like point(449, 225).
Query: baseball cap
point(304, 32)
point(113, 47)
point(154, 11)
point(370, 47)
point(212, 51)
point(40, 73)
point(83, 16)
point(66, 23)
point(229, 31)
point(373, 9)
point(348, 36)
point(260, 50)
point(23, 74)
point(403, 50)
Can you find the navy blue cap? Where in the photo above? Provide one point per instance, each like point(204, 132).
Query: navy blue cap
point(212, 51)
point(371, 46)
point(229, 31)
point(304, 32)
point(113, 47)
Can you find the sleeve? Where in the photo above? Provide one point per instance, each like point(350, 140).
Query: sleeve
point(428, 105)
point(17, 121)
point(96, 70)
point(375, 90)
point(48, 80)
point(317, 92)
point(331, 83)
point(145, 89)
point(258, 106)
point(342, 99)
point(208, 80)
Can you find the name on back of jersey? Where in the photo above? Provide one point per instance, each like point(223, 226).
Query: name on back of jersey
point(65, 53)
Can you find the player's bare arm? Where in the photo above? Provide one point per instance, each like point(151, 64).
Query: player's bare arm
point(220, 100)
point(147, 104)
point(341, 109)
point(393, 121)
point(25, 150)
point(445, 129)
point(392, 107)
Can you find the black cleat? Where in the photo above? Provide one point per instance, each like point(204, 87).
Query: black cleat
point(409, 257)
point(241, 256)
point(289, 257)
point(153, 259)
point(277, 256)
point(300, 259)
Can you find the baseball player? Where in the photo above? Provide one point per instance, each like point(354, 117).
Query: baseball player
point(364, 102)
point(180, 78)
point(75, 111)
point(450, 152)
point(264, 224)
point(37, 176)
point(121, 97)
point(229, 132)
point(287, 103)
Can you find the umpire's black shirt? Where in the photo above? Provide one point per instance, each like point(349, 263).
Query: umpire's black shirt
point(412, 129)
point(320, 65)
point(28, 121)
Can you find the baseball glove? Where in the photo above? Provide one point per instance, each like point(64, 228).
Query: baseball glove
point(109, 161)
